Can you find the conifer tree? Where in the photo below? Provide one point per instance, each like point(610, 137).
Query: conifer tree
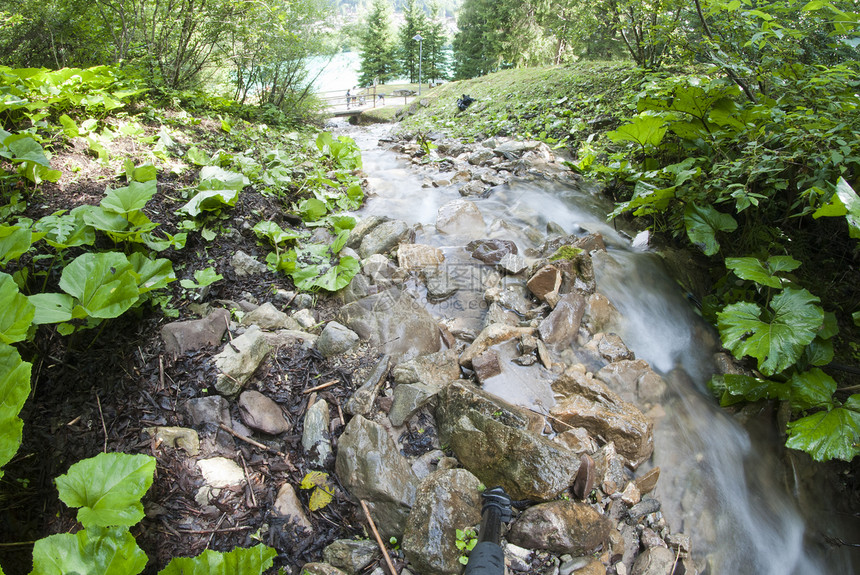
point(415, 23)
point(378, 61)
point(435, 63)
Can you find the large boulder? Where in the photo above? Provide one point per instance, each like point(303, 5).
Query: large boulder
point(460, 217)
point(371, 468)
point(446, 501)
point(384, 237)
point(418, 256)
point(335, 339)
point(561, 326)
point(590, 404)
point(395, 322)
point(491, 440)
point(436, 369)
point(491, 251)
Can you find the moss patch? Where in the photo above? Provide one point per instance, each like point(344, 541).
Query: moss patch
point(565, 253)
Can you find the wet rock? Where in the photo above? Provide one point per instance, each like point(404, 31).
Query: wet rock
point(561, 326)
point(480, 157)
point(287, 505)
point(321, 569)
point(680, 542)
point(513, 264)
point(445, 501)
point(213, 409)
point(418, 256)
point(220, 472)
point(491, 251)
point(245, 265)
point(512, 297)
point(182, 336)
point(379, 269)
point(384, 237)
point(474, 188)
point(612, 347)
point(441, 284)
point(486, 365)
point(547, 280)
point(498, 314)
point(512, 149)
point(649, 539)
point(633, 380)
point(561, 527)
point(370, 467)
point(654, 561)
point(315, 436)
point(177, 437)
point(361, 401)
point(645, 507)
point(393, 321)
point(610, 469)
point(527, 465)
point(631, 495)
point(517, 558)
point(600, 314)
point(459, 217)
point(647, 482)
point(408, 399)
point(427, 463)
point(268, 317)
point(590, 404)
point(490, 336)
point(351, 555)
point(435, 369)
point(362, 229)
point(335, 339)
point(585, 478)
point(238, 361)
point(261, 413)
point(357, 288)
point(491, 178)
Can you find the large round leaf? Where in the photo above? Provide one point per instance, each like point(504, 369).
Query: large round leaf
point(93, 551)
point(102, 283)
point(16, 313)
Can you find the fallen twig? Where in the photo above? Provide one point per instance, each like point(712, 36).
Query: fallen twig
point(210, 531)
point(252, 442)
point(102, 417)
point(214, 531)
point(322, 386)
point(378, 538)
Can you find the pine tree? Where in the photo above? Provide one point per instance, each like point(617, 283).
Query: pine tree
point(378, 60)
point(435, 60)
point(415, 23)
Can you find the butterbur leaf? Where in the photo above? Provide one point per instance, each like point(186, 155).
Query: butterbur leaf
point(239, 561)
point(844, 202)
point(15, 241)
point(312, 209)
point(102, 284)
point(738, 387)
point(92, 551)
point(144, 173)
point(70, 128)
point(215, 178)
point(210, 201)
point(827, 435)
point(130, 198)
point(151, 274)
point(14, 389)
point(703, 223)
point(811, 389)
point(778, 341)
point(108, 488)
point(763, 273)
point(819, 352)
point(16, 312)
point(197, 156)
point(52, 307)
point(645, 130)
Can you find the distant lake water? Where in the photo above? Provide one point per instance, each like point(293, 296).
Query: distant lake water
point(338, 74)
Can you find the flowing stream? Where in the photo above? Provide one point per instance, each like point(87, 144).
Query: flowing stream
point(726, 487)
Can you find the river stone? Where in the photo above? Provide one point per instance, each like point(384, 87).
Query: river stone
point(261, 413)
point(512, 297)
point(654, 561)
point(561, 527)
point(491, 178)
point(177, 437)
point(357, 288)
point(561, 326)
point(351, 555)
point(427, 463)
point(287, 505)
point(285, 337)
point(245, 265)
point(305, 318)
point(514, 149)
point(394, 322)
point(648, 481)
point(321, 569)
point(182, 336)
point(481, 156)
point(238, 361)
point(335, 339)
point(490, 336)
point(459, 217)
point(362, 228)
point(545, 281)
point(220, 472)
point(526, 464)
point(378, 268)
point(446, 501)
point(473, 188)
point(633, 380)
point(612, 348)
point(418, 256)
point(491, 251)
point(268, 317)
point(315, 438)
point(362, 399)
point(486, 365)
point(384, 237)
point(212, 409)
point(498, 314)
point(513, 264)
point(590, 404)
point(408, 399)
point(435, 369)
point(441, 284)
point(370, 467)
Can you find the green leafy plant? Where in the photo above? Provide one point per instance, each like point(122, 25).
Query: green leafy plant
point(466, 541)
point(240, 561)
point(202, 278)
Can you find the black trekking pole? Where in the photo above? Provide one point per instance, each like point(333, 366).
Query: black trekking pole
point(488, 558)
